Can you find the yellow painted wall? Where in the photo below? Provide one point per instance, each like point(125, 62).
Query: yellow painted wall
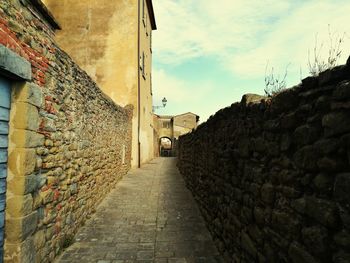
point(167, 129)
point(102, 37)
point(146, 128)
point(184, 123)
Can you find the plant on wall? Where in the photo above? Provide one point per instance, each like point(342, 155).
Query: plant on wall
point(317, 63)
point(274, 84)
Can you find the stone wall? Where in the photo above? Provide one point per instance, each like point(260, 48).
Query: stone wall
point(272, 176)
point(69, 143)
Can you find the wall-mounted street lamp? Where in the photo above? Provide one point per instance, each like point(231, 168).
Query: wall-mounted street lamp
point(164, 101)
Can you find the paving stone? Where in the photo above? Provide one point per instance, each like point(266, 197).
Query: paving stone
point(149, 217)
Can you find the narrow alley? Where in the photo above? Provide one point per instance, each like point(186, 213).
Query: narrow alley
point(149, 217)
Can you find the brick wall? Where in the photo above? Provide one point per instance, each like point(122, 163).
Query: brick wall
point(272, 176)
point(66, 142)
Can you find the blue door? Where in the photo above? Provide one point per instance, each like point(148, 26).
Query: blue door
point(5, 102)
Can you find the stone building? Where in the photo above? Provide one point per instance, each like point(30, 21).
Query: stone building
point(169, 128)
point(112, 41)
point(63, 142)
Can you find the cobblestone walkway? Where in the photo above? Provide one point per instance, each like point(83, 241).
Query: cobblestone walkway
point(149, 217)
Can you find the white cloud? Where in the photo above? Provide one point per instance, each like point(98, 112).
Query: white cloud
point(243, 34)
point(169, 86)
point(290, 40)
point(183, 96)
point(188, 28)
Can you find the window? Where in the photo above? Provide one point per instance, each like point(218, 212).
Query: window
point(150, 40)
point(166, 124)
point(143, 12)
point(150, 80)
point(142, 65)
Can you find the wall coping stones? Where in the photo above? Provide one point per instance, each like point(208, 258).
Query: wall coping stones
point(13, 65)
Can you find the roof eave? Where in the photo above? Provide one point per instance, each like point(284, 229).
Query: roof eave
point(40, 6)
point(151, 14)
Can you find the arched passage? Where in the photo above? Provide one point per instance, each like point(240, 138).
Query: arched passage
point(165, 146)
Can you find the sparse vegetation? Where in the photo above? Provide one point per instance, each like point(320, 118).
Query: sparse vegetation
point(274, 84)
point(316, 63)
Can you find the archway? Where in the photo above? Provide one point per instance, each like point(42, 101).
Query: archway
point(165, 147)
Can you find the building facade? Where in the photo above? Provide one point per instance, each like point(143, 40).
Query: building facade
point(168, 129)
point(112, 41)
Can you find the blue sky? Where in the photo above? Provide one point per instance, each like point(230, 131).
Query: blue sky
point(207, 54)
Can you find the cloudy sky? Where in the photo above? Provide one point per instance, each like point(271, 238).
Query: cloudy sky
point(208, 53)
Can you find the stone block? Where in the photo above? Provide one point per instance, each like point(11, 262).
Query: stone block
point(47, 196)
point(298, 254)
point(328, 146)
point(252, 99)
point(19, 205)
point(39, 239)
point(27, 139)
point(29, 92)
point(268, 193)
point(323, 211)
point(310, 83)
point(306, 158)
point(336, 123)
point(316, 239)
point(14, 65)
point(286, 142)
point(305, 134)
point(248, 245)
point(21, 161)
point(285, 223)
point(244, 147)
point(342, 239)
point(20, 252)
point(48, 125)
point(323, 183)
point(25, 116)
point(21, 185)
point(289, 121)
point(342, 188)
point(342, 92)
point(344, 214)
point(327, 164)
point(333, 75)
point(341, 257)
point(286, 100)
point(18, 229)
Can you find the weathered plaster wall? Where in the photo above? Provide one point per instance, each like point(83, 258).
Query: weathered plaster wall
point(164, 126)
point(65, 144)
point(103, 40)
point(184, 123)
point(146, 111)
point(156, 145)
point(272, 179)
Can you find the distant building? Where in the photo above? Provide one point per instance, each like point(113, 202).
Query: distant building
point(184, 123)
point(112, 42)
point(167, 130)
